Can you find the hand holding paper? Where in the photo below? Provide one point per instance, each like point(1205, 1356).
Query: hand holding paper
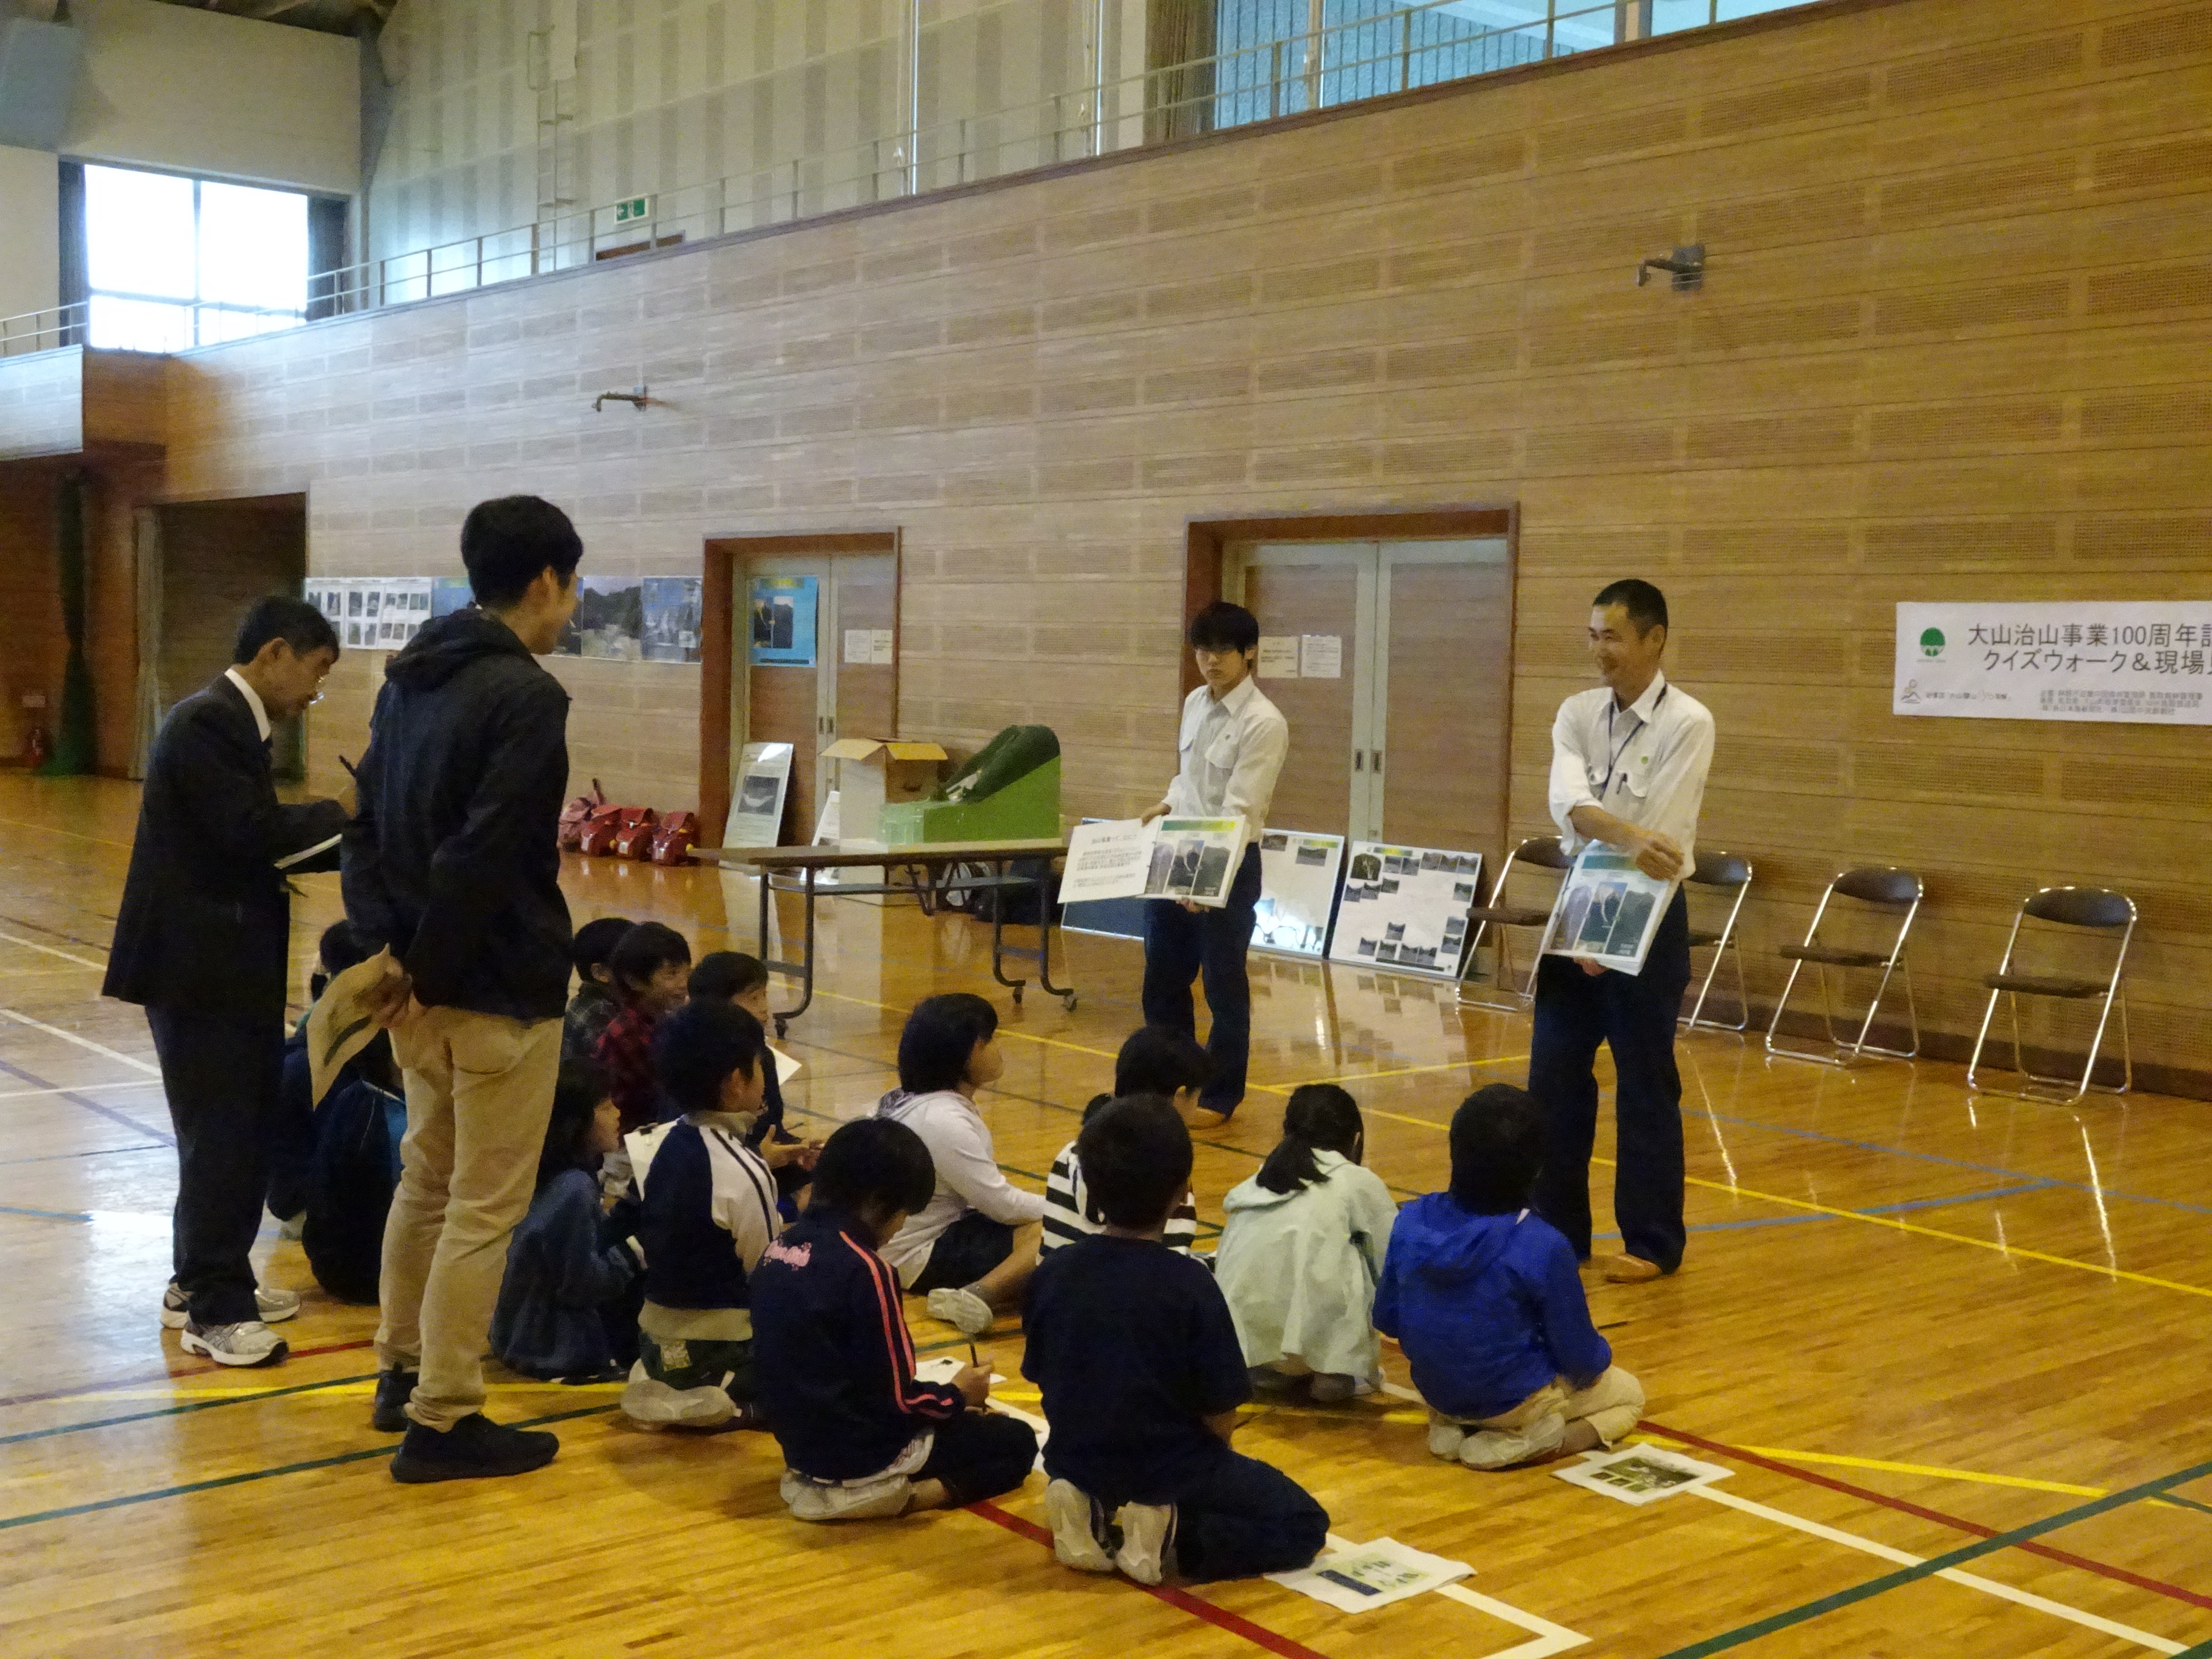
point(1191, 860)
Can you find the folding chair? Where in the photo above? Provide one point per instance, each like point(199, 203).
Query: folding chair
point(1878, 888)
point(1725, 873)
point(1543, 853)
point(2093, 909)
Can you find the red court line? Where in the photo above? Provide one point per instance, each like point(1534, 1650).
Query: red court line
point(1221, 1618)
point(165, 1376)
point(2155, 1586)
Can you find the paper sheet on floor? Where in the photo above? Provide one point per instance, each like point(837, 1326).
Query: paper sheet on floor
point(1364, 1576)
point(1640, 1474)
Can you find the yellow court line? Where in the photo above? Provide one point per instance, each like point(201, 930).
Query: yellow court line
point(1411, 1071)
point(2010, 1251)
point(1883, 1466)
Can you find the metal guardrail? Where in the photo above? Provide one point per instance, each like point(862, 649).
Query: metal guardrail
point(1328, 66)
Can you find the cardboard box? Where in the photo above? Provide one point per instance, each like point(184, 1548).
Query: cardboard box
point(872, 772)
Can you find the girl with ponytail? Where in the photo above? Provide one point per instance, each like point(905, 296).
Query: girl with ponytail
point(1301, 1250)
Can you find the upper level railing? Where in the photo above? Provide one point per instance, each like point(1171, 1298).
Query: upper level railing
point(1422, 44)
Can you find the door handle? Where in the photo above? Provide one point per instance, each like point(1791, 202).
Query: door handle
point(1360, 760)
point(1378, 763)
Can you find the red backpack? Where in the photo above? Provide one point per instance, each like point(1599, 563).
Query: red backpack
point(578, 813)
point(634, 839)
point(673, 841)
point(604, 825)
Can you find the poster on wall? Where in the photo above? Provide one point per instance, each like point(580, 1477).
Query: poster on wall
point(783, 620)
point(671, 609)
point(1297, 891)
point(405, 608)
point(2144, 662)
point(609, 621)
point(757, 803)
point(1406, 908)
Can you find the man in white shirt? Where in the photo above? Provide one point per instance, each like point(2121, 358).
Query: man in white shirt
point(1628, 768)
point(1233, 745)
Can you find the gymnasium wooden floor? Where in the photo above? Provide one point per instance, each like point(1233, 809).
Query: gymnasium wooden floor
point(1953, 1349)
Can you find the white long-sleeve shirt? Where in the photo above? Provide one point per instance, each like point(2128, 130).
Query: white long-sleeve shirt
point(1646, 764)
point(1231, 752)
point(967, 1175)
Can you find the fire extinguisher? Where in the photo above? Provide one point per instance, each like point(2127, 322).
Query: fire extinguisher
point(39, 750)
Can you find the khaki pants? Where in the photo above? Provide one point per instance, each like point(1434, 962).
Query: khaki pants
point(1537, 1425)
point(479, 1094)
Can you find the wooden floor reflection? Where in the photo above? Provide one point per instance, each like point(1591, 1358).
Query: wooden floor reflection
point(1909, 1317)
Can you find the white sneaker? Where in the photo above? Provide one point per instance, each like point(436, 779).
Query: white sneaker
point(292, 1228)
point(275, 1306)
point(1078, 1526)
point(1445, 1438)
point(649, 1401)
point(250, 1342)
point(845, 1500)
point(962, 1310)
point(1147, 1533)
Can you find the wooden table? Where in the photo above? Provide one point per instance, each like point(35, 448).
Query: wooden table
point(927, 860)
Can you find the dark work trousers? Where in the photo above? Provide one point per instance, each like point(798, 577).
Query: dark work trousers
point(220, 1075)
point(1180, 946)
point(1633, 1014)
point(1237, 1517)
point(979, 1454)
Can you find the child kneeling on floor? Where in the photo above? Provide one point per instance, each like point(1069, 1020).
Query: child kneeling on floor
point(1483, 1295)
point(861, 1436)
point(566, 1267)
point(706, 1211)
point(1301, 1248)
point(1137, 1358)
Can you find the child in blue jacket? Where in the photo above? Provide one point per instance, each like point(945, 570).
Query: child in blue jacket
point(1483, 1295)
point(861, 1435)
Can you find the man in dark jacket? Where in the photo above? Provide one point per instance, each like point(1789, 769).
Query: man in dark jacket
point(203, 941)
point(453, 861)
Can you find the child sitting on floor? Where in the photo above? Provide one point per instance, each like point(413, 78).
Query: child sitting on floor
point(1137, 1359)
point(593, 1006)
point(1483, 1295)
point(861, 1436)
point(1155, 1059)
point(707, 1210)
point(562, 1268)
point(648, 969)
point(733, 977)
point(972, 1248)
point(1301, 1247)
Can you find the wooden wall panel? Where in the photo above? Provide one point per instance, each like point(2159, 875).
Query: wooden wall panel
point(1953, 343)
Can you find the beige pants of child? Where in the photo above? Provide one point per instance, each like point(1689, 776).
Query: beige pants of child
point(479, 1093)
point(1538, 1425)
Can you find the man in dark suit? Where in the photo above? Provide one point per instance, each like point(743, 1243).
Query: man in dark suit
point(203, 941)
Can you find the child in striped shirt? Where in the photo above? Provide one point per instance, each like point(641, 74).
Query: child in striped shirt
point(1155, 1060)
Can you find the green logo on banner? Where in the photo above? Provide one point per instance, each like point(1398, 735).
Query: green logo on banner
point(1931, 642)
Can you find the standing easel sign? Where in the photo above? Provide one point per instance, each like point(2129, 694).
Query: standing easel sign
point(757, 803)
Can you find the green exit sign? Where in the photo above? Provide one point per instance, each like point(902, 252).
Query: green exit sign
point(638, 207)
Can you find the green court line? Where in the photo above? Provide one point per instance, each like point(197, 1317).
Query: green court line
point(2184, 1503)
point(251, 1475)
point(178, 1410)
point(2202, 1650)
point(1936, 1563)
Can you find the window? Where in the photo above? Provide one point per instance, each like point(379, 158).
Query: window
point(175, 262)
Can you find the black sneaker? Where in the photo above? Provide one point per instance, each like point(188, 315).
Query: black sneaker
point(476, 1448)
point(393, 1388)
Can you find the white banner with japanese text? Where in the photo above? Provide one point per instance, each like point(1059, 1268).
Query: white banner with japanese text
point(2142, 661)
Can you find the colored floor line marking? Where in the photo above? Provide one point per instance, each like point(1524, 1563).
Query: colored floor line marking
point(72, 834)
point(235, 1397)
point(32, 944)
point(44, 1215)
point(1972, 1477)
point(75, 1097)
point(1932, 1565)
point(1872, 1210)
point(1183, 1601)
point(101, 1049)
point(89, 1152)
point(2030, 1546)
point(1954, 1162)
point(1550, 1639)
point(208, 1369)
point(61, 1089)
point(2003, 1592)
point(248, 1477)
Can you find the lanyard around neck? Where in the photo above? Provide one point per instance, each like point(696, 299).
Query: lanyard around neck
point(1612, 761)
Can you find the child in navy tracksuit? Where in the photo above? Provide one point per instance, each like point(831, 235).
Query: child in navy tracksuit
point(566, 1266)
point(706, 1211)
point(1483, 1295)
point(732, 976)
point(861, 1435)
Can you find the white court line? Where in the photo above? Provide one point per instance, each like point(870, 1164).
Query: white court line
point(77, 1089)
point(1973, 1581)
point(1551, 1638)
point(32, 944)
point(135, 1064)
